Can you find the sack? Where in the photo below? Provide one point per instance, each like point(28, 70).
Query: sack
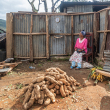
point(87, 65)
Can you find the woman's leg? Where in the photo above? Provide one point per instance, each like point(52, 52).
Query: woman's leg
point(73, 64)
point(79, 65)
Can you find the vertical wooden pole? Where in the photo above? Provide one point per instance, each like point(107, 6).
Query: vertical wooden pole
point(47, 38)
point(94, 29)
point(65, 31)
point(9, 35)
point(72, 34)
point(104, 37)
point(31, 40)
point(97, 34)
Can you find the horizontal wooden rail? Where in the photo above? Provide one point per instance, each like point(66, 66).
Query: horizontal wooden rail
point(64, 34)
point(76, 34)
point(103, 31)
point(54, 14)
point(29, 33)
point(33, 57)
point(103, 10)
point(60, 54)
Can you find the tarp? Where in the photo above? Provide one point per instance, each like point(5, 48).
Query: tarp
point(2, 36)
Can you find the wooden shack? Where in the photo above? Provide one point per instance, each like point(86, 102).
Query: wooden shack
point(75, 7)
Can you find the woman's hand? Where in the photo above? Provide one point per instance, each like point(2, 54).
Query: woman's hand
point(80, 50)
point(75, 49)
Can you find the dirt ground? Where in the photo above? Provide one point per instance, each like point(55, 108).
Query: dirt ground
point(95, 97)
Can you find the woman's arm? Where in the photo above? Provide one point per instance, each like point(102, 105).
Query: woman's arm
point(76, 45)
point(85, 44)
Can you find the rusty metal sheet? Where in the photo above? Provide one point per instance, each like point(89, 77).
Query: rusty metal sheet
point(102, 27)
point(39, 23)
point(21, 24)
point(83, 22)
point(39, 46)
point(60, 46)
point(80, 8)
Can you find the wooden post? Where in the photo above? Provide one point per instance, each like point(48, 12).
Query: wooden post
point(9, 35)
point(97, 34)
point(104, 37)
point(47, 38)
point(30, 39)
point(72, 34)
point(94, 30)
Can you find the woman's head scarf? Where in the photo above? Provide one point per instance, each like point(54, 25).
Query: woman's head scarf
point(83, 33)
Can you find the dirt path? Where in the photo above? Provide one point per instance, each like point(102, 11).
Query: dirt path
point(95, 97)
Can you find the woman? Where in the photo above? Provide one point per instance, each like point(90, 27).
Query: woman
point(80, 49)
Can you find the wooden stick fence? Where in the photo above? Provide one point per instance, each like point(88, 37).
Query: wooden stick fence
point(10, 39)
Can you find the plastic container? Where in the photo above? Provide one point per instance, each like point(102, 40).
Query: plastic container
point(31, 67)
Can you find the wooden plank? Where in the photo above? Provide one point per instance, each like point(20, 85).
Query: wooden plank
point(60, 55)
point(95, 29)
point(63, 34)
point(104, 37)
point(97, 34)
point(65, 31)
point(106, 67)
point(107, 70)
point(103, 10)
point(9, 64)
point(72, 34)
point(103, 31)
point(76, 34)
point(107, 59)
point(54, 14)
point(30, 39)
point(107, 64)
point(106, 51)
point(9, 35)
point(103, 73)
point(47, 38)
point(43, 33)
point(29, 57)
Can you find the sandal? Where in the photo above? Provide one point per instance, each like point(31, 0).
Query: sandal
point(77, 68)
point(71, 67)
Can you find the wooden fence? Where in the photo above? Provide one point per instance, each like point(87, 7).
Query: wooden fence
point(41, 35)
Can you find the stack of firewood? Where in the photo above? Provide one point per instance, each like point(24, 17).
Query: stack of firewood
point(44, 89)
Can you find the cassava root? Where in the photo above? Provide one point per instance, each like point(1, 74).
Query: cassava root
point(44, 88)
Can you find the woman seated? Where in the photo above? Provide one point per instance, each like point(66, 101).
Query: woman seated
point(80, 49)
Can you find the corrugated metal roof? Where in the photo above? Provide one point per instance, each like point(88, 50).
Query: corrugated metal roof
point(71, 4)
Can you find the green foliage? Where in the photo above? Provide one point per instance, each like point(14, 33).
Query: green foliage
point(19, 86)
point(2, 24)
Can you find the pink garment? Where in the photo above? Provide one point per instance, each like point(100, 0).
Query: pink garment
point(81, 44)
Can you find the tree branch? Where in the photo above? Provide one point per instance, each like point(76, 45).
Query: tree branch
point(33, 7)
point(57, 7)
point(52, 5)
point(56, 2)
point(38, 5)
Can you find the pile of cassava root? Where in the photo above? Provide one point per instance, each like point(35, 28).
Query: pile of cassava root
point(44, 88)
